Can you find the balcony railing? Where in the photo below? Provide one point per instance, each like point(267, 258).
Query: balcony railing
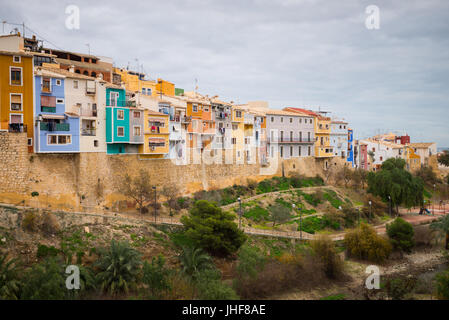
point(88, 132)
point(17, 127)
point(288, 140)
point(48, 109)
point(52, 126)
point(120, 103)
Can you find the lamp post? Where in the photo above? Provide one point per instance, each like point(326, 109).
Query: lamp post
point(370, 211)
point(155, 208)
point(240, 212)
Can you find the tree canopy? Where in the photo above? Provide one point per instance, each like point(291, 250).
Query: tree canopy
point(444, 158)
point(211, 228)
point(394, 181)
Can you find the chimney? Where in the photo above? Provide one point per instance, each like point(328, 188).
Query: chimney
point(72, 68)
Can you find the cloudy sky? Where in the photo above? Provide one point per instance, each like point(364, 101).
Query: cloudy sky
point(287, 52)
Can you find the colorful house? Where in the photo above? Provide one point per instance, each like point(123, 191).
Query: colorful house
point(134, 82)
point(238, 133)
point(339, 138)
point(124, 122)
point(16, 94)
point(350, 153)
point(57, 131)
point(156, 135)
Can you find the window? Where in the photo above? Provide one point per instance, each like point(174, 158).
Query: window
point(310, 120)
point(95, 143)
point(206, 109)
point(299, 150)
point(16, 59)
point(291, 151)
point(291, 120)
point(144, 91)
point(234, 140)
point(234, 127)
point(59, 139)
point(30, 142)
point(15, 76)
point(59, 101)
point(300, 120)
point(149, 91)
point(46, 84)
point(190, 136)
point(309, 151)
point(75, 84)
point(195, 108)
point(282, 151)
point(58, 82)
point(120, 131)
point(282, 119)
point(238, 114)
point(15, 102)
point(120, 114)
point(272, 119)
point(136, 114)
point(137, 130)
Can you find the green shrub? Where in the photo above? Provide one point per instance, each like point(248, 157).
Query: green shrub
point(365, 243)
point(399, 289)
point(401, 234)
point(250, 261)
point(44, 251)
point(442, 282)
point(10, 283)
point(46, 281)
point(156, 277)
point(210, 286)
point(256, 213)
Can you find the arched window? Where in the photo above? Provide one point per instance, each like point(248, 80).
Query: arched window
point(86, 73)
point(93, 74)
point(77, 71)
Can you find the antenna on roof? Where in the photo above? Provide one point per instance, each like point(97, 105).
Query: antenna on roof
point(88, 47)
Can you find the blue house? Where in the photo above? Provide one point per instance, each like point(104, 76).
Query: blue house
point(350, 157)
point(124, 122)
point(56, 131)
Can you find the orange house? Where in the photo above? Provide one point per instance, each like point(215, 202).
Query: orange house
point(17, 94)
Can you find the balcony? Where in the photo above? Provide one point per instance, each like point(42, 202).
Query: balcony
point(186, 119)
point(17, 127)
point(88, 132)
point(287, 140)
point(52, 126)
point(48, 109)
point(120, 103)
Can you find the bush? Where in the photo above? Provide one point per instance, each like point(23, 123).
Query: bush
point(49, 225)
point(256, 213)
point(212, 229)
point(155, 275)
point(364, 243)
point(29, 222)
point(119, 267)
point(399, 289)
point(401, 234)
point(324, 249)
point(251, 261)
point(9, 279)
point(442, 281)
point(210, 286)
point(45, 281)
point(44, 251)
point(423, 236)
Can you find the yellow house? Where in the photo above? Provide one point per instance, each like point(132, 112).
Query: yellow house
point(323, 148)
point(238, 133)
point(156, 134)
point(165, 87)
point(135, 82)
point(413, 160)
point(17, 94)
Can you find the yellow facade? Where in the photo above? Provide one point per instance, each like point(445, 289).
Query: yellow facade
point(238, 134)
point(156, 134)
point(134, 84)
point(322, 137)
point(412, 159)
point(165, 87)
point(17, 94)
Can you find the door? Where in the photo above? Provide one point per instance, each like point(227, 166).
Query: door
point(114, 99)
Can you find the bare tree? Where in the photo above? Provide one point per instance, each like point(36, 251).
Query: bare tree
point(345, 174)
point(171, 194)
point(139, 189)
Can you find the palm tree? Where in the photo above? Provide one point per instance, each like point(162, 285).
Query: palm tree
point(119, 267)
point(194, 260)
point(9, 282)
point(442, 225)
